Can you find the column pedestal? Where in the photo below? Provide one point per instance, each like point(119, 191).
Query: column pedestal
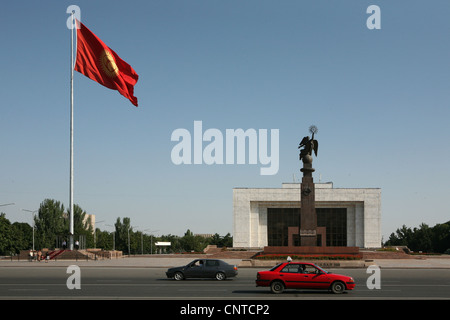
point(308, 217)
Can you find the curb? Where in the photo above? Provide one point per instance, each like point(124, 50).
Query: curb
point(253, 263)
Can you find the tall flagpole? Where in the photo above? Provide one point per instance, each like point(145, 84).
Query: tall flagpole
point(71, 137)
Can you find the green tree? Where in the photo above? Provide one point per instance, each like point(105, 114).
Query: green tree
point(122, 232)
point(441, 237)
point(22, 236)
point(104, 240)
point(6, 245)
point(227, 241)
point(401, 237)
point(50, 223)
point(421, 239)
point(219, 241)
point(135, 238)
point(424, 238)
point(191, 242)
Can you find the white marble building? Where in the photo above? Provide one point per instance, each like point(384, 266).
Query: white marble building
point(251, 205)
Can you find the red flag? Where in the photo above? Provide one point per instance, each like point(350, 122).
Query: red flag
point(98, 62)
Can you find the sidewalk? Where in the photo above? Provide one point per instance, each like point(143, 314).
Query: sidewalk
point(432, 263)
point(154, 261)
point(166, 261)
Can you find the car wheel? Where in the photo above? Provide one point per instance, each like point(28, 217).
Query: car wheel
point(338, 287)
point(178, 276)
point(277, 287)
point(220, 276)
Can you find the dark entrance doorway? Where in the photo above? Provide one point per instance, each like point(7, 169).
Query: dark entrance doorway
point(279, 220)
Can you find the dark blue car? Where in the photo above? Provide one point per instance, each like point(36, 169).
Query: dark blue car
point(203, 268)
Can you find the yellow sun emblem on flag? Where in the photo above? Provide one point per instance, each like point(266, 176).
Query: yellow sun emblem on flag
point(108, 64)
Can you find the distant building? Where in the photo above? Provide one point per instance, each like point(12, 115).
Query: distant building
point(92, 220)
point(204, 235)
point(263, 216)
point(85, 220)
point(162, 247)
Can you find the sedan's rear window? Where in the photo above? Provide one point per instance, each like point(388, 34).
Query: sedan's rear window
point(276, 266)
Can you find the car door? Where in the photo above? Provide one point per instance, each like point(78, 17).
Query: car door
point(314, 278)
point(292, 277)
point(195, 269)
point(211, 268)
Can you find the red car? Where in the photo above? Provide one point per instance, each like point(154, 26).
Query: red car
point(302, 275)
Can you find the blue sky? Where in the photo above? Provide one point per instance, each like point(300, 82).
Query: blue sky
point(380, 99)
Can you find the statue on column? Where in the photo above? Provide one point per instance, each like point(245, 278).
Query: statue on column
point(308, 145)
point(308, 217)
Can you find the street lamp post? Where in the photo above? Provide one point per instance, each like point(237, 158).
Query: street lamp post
point(136, 227)
point(114, 237)
point(32, 216)
point(129, 241)
point(151, 241)
point(95, 233)
point(142, 242)
point(7, 204)
point(129, 251)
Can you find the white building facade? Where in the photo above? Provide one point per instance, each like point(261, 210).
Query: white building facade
point(261, 216)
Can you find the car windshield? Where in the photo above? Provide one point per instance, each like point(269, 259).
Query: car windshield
point(324, 271)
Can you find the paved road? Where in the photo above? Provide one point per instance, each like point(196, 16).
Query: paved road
point(141, 286)
point(47, 281)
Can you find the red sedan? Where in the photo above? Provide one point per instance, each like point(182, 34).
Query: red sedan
point(302, 275)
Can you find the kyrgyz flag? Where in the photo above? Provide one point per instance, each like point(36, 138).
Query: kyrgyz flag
point(98, 62)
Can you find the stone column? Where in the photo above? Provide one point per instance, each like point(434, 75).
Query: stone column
point(308, 220)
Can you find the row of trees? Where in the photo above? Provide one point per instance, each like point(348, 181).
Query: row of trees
point(426, 239)
point(51, 226)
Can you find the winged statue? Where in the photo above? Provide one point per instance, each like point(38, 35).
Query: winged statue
point(309, 145)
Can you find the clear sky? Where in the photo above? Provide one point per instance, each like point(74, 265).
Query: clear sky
point(380, 99)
